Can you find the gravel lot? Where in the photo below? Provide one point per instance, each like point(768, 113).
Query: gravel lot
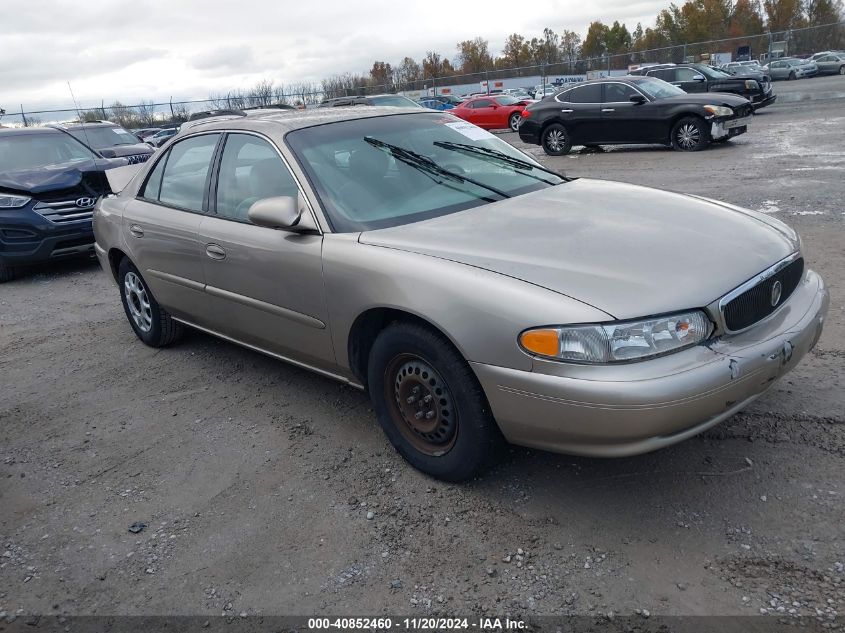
point(256, 479)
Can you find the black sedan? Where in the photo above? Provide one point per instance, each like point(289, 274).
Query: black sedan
point(633, 110)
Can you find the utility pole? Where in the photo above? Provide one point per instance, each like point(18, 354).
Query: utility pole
point(23, 116)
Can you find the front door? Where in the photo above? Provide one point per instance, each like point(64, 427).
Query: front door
point(161, 226)
point(690, 80)
point(265, 286)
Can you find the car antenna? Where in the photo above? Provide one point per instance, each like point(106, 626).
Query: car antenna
point(79, 116)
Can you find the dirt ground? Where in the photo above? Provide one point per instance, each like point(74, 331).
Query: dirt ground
point(255, 478)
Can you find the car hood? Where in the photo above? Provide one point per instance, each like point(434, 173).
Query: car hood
point(630, 251)
point(131, 150)
point(55, 177)
point(714, 98)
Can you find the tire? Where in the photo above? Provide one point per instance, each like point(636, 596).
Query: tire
point(513, 121)
point(842, 70)
point(7, 273)
point(150, 322)
point(430, 404)
point(556, 140)
point(791, 76)
point(690, 134)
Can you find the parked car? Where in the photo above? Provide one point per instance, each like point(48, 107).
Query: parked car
point(473, 294)
point(397, 101)
point(633, 110)
point(450, 99)
point(49, 183)
point(692, 78)
point(110, 140)
point(816, 56)
point(162, 136)
point(789, 68)
point(544, 90)
point(519, 93)
point(738, 68)
point(144, 132)
point(435, 104)
point(492, 113)
point(831, 64)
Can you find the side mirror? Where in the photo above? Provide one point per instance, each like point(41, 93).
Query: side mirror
point(698, 77)
point(637, 99)
point(281, 212)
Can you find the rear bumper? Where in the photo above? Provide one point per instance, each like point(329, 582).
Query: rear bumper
point(529, 131)
point(640, 407)
point(27, 237)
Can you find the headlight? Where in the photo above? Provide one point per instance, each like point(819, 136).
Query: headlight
point(9, 201)
point(751, 84)
point(618, 341)
point(718, 110)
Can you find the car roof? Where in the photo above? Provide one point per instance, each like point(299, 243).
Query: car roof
point(23, 131)
point(75, 126)
point(290, 120)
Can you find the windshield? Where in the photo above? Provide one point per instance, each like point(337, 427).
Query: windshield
point(392, 170)
point(793, 62)
point(103, 137)
point(31, 151)
point(717, 72)
point(657, 88)
point(394, 100)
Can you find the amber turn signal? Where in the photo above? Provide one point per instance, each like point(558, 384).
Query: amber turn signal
point(543, 342)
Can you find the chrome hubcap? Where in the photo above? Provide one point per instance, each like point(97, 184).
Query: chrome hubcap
point(688, 136)
point(555, 140)
point(138, 302)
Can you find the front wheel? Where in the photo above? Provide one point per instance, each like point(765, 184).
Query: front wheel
point(555, 140)
point(690, 135)
point(842, 70)
point(513, 121)
point(150, 322)
point(430, 404)
point(7, 273)
point(791, 76)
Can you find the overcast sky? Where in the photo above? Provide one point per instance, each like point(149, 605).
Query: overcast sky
point(155, 49)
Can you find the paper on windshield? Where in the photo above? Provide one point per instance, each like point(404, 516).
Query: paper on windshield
point(472, 132)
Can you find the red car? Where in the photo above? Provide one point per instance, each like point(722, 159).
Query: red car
point(497, 112)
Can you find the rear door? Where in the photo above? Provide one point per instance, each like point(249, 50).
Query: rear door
point(162, 226)
point(265, 286)
point(581, 112)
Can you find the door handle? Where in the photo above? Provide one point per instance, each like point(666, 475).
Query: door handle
point(136, 231)
point(215, 252)
point(608, 109)
point(566, 111)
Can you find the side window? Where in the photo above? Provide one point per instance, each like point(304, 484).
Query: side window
point(666, 74)
point(685, 74)
point(482, 103)
point(618, 93)
point(186, 171)
point(153, 186)
point(590, 93)
point(250, 170)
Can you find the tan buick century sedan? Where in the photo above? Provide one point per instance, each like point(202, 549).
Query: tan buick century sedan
point(477, 296)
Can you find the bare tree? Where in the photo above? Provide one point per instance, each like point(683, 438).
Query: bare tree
point(146, 112)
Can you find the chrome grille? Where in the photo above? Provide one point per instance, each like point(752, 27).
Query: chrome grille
point(64, 211)
point(753, 301)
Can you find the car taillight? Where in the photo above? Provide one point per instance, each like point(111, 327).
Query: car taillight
point(526, 114)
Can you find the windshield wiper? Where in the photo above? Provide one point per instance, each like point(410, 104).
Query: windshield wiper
point(428, 166)
point(500, 157)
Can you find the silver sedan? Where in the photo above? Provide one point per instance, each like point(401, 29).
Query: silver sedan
point(477, 297)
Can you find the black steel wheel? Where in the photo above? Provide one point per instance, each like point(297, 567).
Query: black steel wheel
point(430, 404)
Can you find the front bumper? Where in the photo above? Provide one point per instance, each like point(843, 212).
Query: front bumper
point(27, 237)
point(728, 128)
point(764, 100)
point(613, 411)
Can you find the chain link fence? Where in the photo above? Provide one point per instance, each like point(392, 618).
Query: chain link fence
point(762, 47)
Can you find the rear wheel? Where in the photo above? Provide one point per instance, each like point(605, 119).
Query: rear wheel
point(555, 140)
point(791, 76)
point(842, 70)
point(7, 273)
point(429, 403)
point(150, 322)
point(690, 135)
point(513, 121)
